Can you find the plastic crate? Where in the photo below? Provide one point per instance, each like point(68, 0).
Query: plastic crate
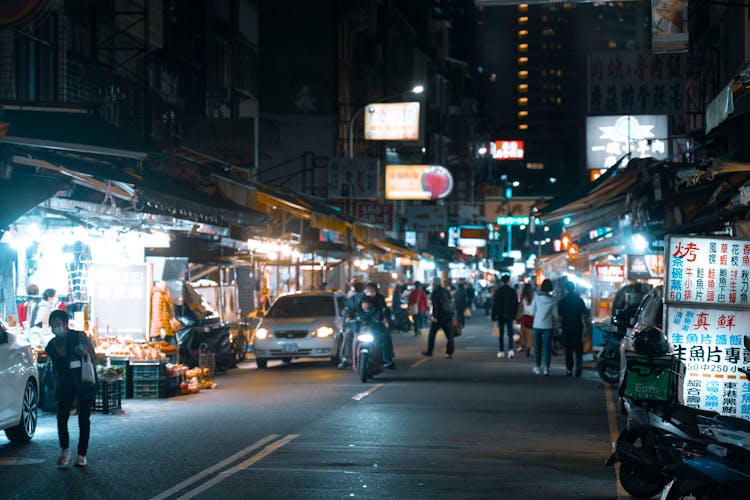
point(109, 396)
point(127, 386)
point(147, 371)
point(153, 389)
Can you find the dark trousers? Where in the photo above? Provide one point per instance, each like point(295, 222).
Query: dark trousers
point(447, 326)
point(574, 351)
point(84, 423)
point(346, 344)
point(505, 326)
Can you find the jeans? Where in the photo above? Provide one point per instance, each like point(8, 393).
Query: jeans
point(419, 319)
point(574, 351)
point(542, 340)
point(346, 344)
point(447, 326)
point(84, 423)
point(388, 354)
point(505, 326)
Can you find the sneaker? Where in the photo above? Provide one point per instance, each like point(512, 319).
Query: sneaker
point(449, 356)
point(80, 461)
point(425, 353)
point(511, 354)
point(536, 370)
point(343, 364)
point(578, 372)
point(501, 354)
point(390, 366)
point(546, 372)
point(568, 373)
point(62, 460)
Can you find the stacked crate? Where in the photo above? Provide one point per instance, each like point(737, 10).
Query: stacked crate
point(149, 379)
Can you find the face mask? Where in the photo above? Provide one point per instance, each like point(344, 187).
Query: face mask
point(58, 331)
point(369, 292)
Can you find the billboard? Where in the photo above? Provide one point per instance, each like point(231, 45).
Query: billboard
point(608, 138)
point(426, 218)
point(507, 150)
point(669, 25)
point(417, 182)
point(354, 179)
point(393, 121)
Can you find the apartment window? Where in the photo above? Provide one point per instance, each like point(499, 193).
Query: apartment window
point(523, 101)
point(523, 60)
point(523, 33)
point(523, 20)
point(558, 73)
point(523, 88)
point(523, 74)
point(523, 48)
point(558, 100)
point(523, 126)
point(523, 7)
point(522, 114)
point(612, 44)
point(544, 73)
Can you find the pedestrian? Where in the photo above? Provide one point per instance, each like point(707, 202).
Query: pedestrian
point(574, 320)
point(66, 350)
point(40, 315)
point(504, 310)
point(526, 342)
point(441, 318)
point(351, 307)
point(470, 295)
point(544, 310)
point(28, 308)
point(460, 300)
point(418, 307)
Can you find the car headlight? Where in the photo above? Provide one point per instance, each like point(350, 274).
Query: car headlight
point(365, 337)
point(261, 334)
point(323, 331)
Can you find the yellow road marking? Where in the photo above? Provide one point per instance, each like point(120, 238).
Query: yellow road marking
point(363, 395)
point(420, 362)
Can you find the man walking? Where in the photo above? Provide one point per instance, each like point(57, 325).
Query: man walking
point(418, 307)
point(574, 319)
point(504, 310)
point(441, 318)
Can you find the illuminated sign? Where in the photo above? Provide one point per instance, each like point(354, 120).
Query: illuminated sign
point(607, 273)
point(417, 182)
point(394, 121)
point(609, 138)
point(467, 236)
point(512, 220)
point(507, 150)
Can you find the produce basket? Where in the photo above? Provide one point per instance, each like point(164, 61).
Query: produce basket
point(109, 395)
point(206, 359)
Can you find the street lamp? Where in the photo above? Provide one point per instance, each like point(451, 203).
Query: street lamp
point(417, 89)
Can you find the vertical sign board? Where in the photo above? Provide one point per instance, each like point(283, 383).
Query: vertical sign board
point(707, 308)
point(120, 299)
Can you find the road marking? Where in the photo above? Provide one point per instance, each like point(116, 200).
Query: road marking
point(181, 486)
point(363, 395)
point(614, 432)
point(239, 467)
point(420, 362)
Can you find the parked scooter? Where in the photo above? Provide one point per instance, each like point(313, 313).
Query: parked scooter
point(400, 319)
point(367, 353)
point(661, 434)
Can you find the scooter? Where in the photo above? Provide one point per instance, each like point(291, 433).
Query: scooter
point(367, 353)
point(608, 361)
point(400, 319)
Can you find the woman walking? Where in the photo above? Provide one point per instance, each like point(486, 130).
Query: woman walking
point(544, 310)
point(67, 351)
point(526, 343)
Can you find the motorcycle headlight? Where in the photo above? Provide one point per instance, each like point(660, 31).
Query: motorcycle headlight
point(261, 334)
point(323, 331)
point(365, 337)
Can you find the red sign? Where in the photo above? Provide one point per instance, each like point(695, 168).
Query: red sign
point(376, 213)
point(507, 150)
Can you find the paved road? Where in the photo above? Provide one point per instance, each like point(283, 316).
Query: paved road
point(471, 427)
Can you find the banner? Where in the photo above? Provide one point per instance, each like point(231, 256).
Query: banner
point(376, 213)
point(354, 179)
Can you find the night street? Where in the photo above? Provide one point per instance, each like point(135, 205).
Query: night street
point(471, 427)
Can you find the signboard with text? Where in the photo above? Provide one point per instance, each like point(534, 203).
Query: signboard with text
point(507, 150)
point(120, 299)
point(610, 273)
point(353, 178)
point(426, 218)
point(417, 182)
point(393, 121)
point(376, 213)
point(609, 138)
point(707, 312)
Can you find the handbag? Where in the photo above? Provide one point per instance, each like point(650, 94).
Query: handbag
point(587, 343)
point(456, 328)
point(88, 374)
point(527, 321)
point(495, 330)
point(414, 309)
point(467, 313)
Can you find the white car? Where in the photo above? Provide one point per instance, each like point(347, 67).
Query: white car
point(300, 325)
point(19, 387)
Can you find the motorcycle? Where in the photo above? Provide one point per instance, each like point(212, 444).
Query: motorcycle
point(400, 319)
point(367, 353)
point(608, 361)
point(661, 434)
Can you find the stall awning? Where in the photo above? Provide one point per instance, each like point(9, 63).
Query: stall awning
point(68, 129)
point(23, 192)
point(396, 248)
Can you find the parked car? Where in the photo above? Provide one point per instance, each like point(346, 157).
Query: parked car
point(19, 387)
point(300, 325)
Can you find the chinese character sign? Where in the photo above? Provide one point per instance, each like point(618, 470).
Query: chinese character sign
point(709, 342)
point(376, 213)
point(710, 271)
point(120, 299)
point(353, 178)
point(609, 138)
point(634, 82)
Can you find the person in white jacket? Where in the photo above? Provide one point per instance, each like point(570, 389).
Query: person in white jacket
point(544, 310)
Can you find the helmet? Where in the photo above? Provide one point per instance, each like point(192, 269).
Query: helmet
point(651, 342)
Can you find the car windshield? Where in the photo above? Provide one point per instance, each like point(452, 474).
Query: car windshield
point(301, 306)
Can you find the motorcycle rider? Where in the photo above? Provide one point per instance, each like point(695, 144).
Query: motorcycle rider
point(378, 302)
point(351, 307)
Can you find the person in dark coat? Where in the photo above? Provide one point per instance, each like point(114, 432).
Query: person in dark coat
point(66, 351)
point(574, 317)
point(461, 304)
point(504, 311)
point(441, 318)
